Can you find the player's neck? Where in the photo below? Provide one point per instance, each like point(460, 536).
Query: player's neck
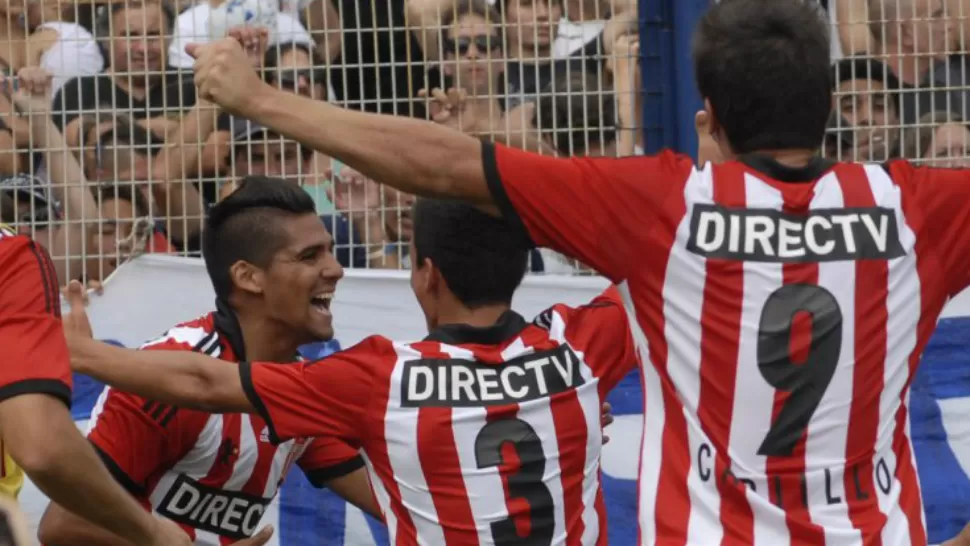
point(266, 342)
point(480, 317)
point(789, 158)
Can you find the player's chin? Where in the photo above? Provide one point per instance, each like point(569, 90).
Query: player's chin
point(320, 323)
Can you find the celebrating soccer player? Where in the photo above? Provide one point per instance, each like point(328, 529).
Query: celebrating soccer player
point(780, 301)
point(487, 431)
point(270, 261)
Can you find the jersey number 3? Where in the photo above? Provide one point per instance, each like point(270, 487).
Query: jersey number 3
point(804, 381)
point(526, 483)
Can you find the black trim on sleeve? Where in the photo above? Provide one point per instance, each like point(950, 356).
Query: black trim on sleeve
point(118, 474)
point(499, 195)
point(246, 378)
point(318, 477)
point(54, 387)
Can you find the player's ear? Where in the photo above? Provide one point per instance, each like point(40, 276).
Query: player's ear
point(247, 277)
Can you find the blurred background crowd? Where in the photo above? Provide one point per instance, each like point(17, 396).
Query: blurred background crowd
point(121, 157)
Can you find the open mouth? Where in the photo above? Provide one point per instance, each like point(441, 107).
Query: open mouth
point(321, 302)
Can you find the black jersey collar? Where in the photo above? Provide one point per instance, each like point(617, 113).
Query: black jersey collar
point(811, 172)
point(509, 325)
point(227, 324)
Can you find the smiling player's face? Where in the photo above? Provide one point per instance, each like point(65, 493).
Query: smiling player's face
point(301, 280)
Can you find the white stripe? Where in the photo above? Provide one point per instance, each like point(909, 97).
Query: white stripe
point(97, 410)
point(538, 414)
point(683, 296)
point(590, 402)
point(382, 496)
point(826, 441)
point(753, 398)
point(190, 335)
point(903, 304)
point(401, 435)
point(486, 494)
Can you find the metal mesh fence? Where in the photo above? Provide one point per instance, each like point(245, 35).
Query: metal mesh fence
point(121, 158)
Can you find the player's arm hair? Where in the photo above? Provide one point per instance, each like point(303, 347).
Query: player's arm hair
point(60, 527)
point(180, 378)
point(355, 489)
point(41, 436)
point(415, 156)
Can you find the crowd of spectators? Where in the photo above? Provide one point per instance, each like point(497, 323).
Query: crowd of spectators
point(123, 158)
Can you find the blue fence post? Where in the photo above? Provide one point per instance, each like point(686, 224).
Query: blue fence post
point(670, 98)
point(686, 13)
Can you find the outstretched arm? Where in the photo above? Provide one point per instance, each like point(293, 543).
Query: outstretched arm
point(180, 378)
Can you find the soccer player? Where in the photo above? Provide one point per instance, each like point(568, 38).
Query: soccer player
point(270, 261)
point(780, 302)
point(38, 435)
point(487, 431)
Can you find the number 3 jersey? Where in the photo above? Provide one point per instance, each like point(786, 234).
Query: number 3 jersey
point(779, 314)
point(213, 474)
point(473, 436)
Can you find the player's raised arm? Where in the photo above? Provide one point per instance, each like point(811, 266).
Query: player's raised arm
point(595, 210)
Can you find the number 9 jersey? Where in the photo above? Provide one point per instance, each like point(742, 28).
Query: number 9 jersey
point(473, 436)
point(779, 315)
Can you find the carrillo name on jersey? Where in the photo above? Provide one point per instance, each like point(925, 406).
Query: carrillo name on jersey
point(769, 235)
point(228, 513)
point(465, 383)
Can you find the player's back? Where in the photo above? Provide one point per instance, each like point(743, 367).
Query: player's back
point(793, 308)
point(493, 435)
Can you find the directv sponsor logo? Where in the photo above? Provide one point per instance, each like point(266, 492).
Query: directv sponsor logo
point(464, 383)
point(768, 235)
point(226, 513)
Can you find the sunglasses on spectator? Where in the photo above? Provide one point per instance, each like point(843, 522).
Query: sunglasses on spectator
point(288, 77)
point(483, 43)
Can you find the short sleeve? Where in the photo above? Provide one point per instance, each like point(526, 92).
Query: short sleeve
point(34, 351)
point(942, 206)
point(322, 398)
point(137, 438)
point(326, 459)
point(596, 210)
point(601, 330)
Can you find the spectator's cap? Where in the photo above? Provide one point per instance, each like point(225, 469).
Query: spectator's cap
point(858, 68)
point(243, 129)
point(27, 188)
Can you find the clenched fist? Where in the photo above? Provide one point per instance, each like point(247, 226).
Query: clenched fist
point(224, 72)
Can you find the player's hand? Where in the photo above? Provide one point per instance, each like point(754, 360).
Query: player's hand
point(352, 192)
point(76, 322)
point(606, 419)
point(224, 74)
point(447, 109)
point(30, 90)
point(260, 538)
point(167, 533)
point(963, 539)
point(626, 50)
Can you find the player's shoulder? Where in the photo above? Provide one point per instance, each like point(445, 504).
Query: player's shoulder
point(562, 313)
point(12, 244)
point(199, 334)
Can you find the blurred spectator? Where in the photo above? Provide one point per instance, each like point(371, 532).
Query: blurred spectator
point(123, 230)
point(117, 148)
point(624, 66)
point(472, 50)
point(839, 141)
point(865, 97)
point(136, 81)
point(577, 117)
point(912, 36)
point(296, 66)
point(940, 139)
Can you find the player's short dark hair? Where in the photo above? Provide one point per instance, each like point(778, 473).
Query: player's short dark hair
point(764, 66)
point(246, 226)
point(481, 257)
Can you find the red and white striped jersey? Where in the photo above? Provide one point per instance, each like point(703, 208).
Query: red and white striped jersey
point(213, 474)
point(779, 315)
point(473, 436)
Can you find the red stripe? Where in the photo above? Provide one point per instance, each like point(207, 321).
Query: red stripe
point(720, 333)
point(571, 433)
point(787, 474)
point(441, 466)
point(672, 510)
point(266, 451)
point(871, 318)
